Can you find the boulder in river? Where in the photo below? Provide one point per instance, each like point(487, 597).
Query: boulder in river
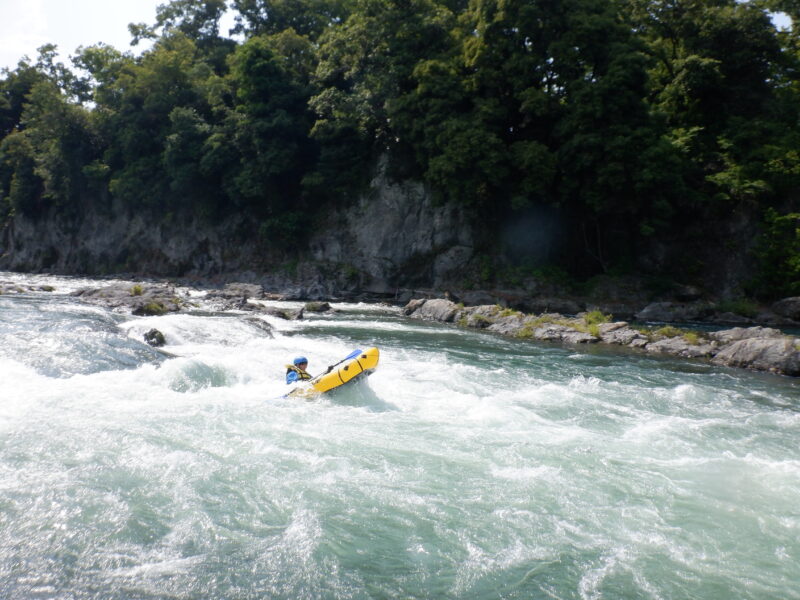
point(680, 346)
point(672, 312)
point(11, 288)
point(730, 318)
point(728, 336)
point(564, 306)
point(317, 307)
point(507, 324)
point(413, 305)
point(620, 333)
point(143, 299)
point(776, 354)
point(788, 307)
point(155, 338)
point(261, 325)
point(287, 314)
point(479, 317)
point(435, 310)
point(555, 332)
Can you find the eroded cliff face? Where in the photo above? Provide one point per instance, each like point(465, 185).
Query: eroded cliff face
point(397, 236)
point(101, 242)
point(392, 235)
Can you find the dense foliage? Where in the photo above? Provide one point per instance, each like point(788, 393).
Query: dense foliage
point(634, 121)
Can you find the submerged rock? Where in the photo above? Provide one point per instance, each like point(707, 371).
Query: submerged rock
point(261, 325)
point(10, 288)
point(287, 314)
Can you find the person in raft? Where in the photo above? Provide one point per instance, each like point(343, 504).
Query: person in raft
point(297, 371)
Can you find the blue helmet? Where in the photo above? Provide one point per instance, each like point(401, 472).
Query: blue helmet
point(300, 360)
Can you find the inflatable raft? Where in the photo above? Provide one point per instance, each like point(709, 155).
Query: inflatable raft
point(355, 366)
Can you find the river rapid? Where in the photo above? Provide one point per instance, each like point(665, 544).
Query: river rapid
point(467, 466)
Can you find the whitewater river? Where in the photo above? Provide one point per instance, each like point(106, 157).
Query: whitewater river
point(467, 466)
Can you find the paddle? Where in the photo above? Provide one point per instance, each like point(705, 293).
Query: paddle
point(353, 354)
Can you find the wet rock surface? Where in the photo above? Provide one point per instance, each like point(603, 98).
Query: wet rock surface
point(8, 288)
point(680, 346)
point(317, 307)
point(236, 291)
point(788, 307)
point(759, 348)
point(261, 325)
point(144, 299)
point(155, 338)
point(775, 354)
point(620, 333)
point(753, 347)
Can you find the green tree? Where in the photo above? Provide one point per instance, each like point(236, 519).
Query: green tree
point(270, 122)
point(48, 138)
point(308, 18)
point(14, 89)
point(198, 20)
point(715, 64)
point(544, 103)
point(365, 65)
point(62, 142)
point(136, 100)
point(20, 187)
point(183, 152)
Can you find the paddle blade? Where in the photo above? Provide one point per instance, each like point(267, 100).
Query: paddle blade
point(353, 354)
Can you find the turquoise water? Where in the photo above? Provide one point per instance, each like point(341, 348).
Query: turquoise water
point(467, 466)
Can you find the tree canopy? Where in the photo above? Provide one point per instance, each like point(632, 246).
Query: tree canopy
point(632, 119)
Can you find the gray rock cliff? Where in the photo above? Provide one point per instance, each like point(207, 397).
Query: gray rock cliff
point(395, 232)
point(391, 234)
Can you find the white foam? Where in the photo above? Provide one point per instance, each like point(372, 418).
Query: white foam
point(468, 461)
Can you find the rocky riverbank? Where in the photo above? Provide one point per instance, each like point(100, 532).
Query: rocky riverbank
point(755, 347)
point(154, 299)
point(759, 348)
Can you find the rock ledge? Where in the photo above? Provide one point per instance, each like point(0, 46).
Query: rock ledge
point(758, 348)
